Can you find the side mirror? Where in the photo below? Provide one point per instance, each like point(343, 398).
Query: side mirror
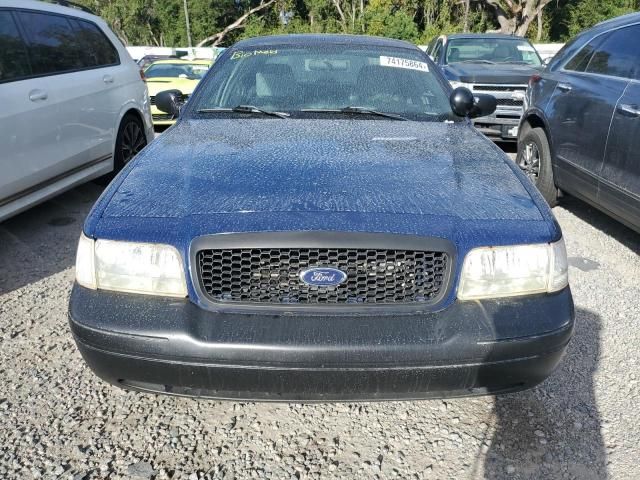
point(483, 105)
point(466, 104)
point(170, 101)
point(461, 101)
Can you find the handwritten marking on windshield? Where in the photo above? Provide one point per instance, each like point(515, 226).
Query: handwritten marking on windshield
point(239, 54)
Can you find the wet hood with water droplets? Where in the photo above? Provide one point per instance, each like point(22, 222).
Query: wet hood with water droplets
point(366, 166)
point(256, 174)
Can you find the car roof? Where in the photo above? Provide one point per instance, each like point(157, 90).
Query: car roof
point(173, 61)
point(162, 56)
point(618, 21)
point(49, 7)
point(325, 38)
point(484, 35)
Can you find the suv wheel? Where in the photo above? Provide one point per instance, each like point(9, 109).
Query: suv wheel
point(534, 158)
point(131, 139)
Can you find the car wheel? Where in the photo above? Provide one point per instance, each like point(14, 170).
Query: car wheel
point(534, 158)
point(131, 139)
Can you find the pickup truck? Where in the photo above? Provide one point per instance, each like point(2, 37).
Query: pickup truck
point(499, 65)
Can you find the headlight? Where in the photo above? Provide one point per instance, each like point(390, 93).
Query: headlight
point(145, 268)
point(510, 271)
point(455, 85)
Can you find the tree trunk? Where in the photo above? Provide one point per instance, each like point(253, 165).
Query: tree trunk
point(540, 27)
point(186, 19)
point(353, 16)
point(531, 11)
point(506, 19)
point(515, 16)
point(343, 20)
point(466, 15)
point(217, 38)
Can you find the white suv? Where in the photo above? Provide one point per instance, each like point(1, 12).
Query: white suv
point(74, 104)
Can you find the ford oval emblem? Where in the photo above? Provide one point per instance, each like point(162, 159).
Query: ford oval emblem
point(323, 277)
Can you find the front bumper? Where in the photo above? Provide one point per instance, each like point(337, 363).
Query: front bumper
point(161, 118)
point(172, 346)
point(502, 128)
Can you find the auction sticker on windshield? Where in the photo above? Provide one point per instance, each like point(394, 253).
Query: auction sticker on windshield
point(403, 63)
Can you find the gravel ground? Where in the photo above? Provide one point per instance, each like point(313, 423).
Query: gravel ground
point(57, 420)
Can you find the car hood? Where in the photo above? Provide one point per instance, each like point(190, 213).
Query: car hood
point(159, 84)
point(217, 176)
point(486, 73)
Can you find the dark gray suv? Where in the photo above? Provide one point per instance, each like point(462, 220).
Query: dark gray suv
point(581, 130)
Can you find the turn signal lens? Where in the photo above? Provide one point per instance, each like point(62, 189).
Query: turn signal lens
point(85, 270)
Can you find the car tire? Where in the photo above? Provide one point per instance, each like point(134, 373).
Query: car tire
point(130, 140)
point(534, 158)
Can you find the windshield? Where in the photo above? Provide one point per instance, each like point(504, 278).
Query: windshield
point(494, 50)
point(324, 79)
point(191, 71)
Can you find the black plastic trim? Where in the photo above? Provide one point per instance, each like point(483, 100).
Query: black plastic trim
point(53, 180)
point(172, 346)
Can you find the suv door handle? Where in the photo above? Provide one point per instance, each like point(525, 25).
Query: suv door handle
point(36, 95)
point(107, 79)
point(629, 110)
point(565, 87)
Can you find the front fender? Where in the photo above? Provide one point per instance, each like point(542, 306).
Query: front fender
point(534, 116)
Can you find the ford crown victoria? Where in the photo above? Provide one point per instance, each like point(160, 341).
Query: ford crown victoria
point(322, 223)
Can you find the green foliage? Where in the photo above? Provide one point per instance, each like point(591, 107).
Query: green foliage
point(162, 22)
point(586, 13)
point(384, 19)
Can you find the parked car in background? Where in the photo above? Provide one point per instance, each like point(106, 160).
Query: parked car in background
point(499, 65)
point(581, 131)
point(181, 75)
point(147, 60)
point(74, 106)
point(322, 223)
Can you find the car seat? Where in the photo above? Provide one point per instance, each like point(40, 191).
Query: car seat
point(454, 55)
point(502, 52)
point(275, 85)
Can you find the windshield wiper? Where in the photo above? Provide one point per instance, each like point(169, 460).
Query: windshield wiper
point(355, 110)
point(477, 61)
point(245, 109)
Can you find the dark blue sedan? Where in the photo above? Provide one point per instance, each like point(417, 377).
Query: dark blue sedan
point(322, 223)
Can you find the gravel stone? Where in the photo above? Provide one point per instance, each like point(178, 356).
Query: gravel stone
point(141, 470)
point(54, 413)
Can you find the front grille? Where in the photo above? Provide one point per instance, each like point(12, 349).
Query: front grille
point(272, 275)
point(162, 116)
point(152, 99)
point(499, 88)
point(509, 102)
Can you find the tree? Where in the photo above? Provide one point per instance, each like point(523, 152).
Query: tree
point(382, 18)
point(222, 22)
point(515, 16)
point(586, 13)
point(217, 38)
